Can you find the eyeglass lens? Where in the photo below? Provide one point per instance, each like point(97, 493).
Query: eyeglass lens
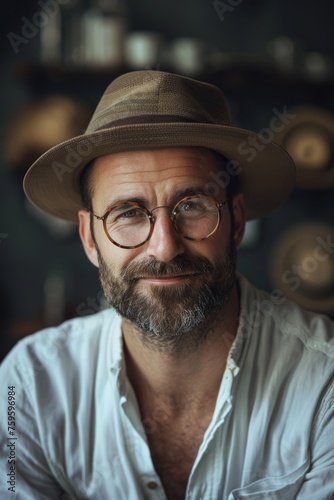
point(194, 217)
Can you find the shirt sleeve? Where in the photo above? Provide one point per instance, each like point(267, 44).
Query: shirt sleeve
point(24, 465)
point(319, 480)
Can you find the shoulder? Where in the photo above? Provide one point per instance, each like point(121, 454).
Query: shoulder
point(287, 349)
point(283, 338)
point(274, 312)
point(63, 384)
point(75, 343)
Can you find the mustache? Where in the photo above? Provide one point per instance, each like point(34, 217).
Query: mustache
point(181, 264)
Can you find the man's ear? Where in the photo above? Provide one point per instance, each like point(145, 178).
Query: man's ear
point(239, 218)
point(87, 237)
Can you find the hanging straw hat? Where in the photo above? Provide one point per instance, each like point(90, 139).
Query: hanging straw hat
point(302, 266)
point(153, 109)
point(309, 139)
point(40, 125)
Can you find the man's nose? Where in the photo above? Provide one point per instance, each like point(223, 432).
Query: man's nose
point(165, 242)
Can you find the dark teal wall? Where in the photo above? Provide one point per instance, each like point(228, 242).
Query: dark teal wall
point(28, 253)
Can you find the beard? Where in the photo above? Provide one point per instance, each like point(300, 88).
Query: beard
point(176, 316)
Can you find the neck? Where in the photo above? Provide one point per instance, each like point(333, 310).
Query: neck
point(186, 375)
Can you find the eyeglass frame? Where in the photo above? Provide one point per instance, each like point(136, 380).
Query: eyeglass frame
point(152, 219)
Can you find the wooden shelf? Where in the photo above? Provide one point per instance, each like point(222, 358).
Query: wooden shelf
point(234, 74)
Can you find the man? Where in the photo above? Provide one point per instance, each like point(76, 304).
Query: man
point(186, 387)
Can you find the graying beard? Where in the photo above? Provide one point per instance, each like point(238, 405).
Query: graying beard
point(187, 329)
point(178, 339)
point(186, 321)
point(182, 334)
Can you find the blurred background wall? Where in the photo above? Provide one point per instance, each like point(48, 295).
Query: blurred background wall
point(272, 58)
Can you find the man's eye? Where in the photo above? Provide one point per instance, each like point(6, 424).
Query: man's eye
point(192, 206)
point(129, 214)
point(187, 207)
point(132, 214)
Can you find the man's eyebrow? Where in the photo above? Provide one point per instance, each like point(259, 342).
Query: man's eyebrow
point(191, 191)
point(124, 199)
point(177, 196)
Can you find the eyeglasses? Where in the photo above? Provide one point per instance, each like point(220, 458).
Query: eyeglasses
point(130, 224)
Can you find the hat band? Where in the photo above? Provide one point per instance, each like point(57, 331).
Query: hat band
point(134, 120)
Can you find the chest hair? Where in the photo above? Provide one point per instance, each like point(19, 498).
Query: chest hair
point(174, 444)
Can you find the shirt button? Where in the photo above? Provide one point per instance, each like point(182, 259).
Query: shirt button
point(152, 485)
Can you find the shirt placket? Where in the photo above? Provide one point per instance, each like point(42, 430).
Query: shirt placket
point(209, 458)
point(136, 442)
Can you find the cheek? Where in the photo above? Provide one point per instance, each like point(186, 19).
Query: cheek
point(116, 258)
point(211, 249)
point(217, 245)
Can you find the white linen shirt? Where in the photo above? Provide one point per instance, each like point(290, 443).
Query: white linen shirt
point(79, 433)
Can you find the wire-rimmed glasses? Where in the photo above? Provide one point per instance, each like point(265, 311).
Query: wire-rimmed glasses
point(129, 224)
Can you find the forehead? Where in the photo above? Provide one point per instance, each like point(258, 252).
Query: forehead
point(160, 171)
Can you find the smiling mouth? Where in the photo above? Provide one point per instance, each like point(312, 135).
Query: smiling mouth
point(167, 276)
point(168, 279)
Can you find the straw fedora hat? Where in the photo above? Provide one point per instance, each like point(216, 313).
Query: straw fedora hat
point(301, 265)
point(42, 124)
point(309, 139)
point(151, 109)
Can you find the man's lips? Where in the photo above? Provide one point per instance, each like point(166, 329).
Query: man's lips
point(167, 278)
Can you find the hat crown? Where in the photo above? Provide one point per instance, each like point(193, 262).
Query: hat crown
point(158, 97)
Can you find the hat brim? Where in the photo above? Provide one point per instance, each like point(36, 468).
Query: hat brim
point(267, 170)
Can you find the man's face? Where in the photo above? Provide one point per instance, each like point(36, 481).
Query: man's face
point(170, 285)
